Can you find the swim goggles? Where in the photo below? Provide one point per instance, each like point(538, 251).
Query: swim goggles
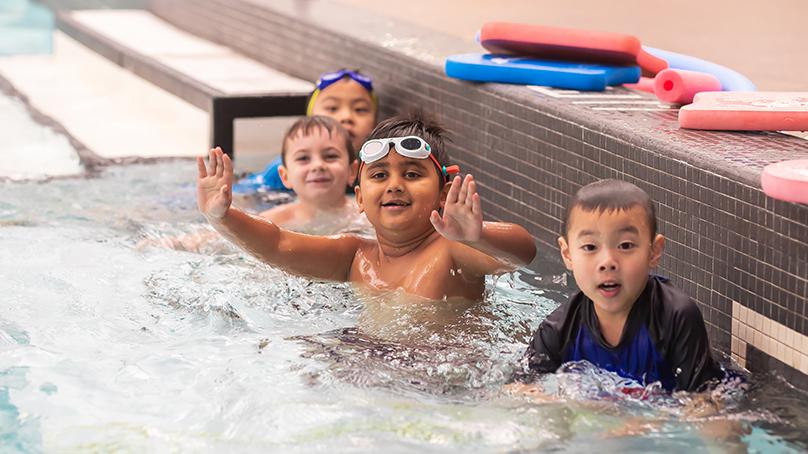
point(330, 78)
point(410, 146)
point(327, 79)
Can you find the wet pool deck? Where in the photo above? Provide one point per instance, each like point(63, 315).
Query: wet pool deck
point(764, 41)
point(741, 255)
point(112, 112)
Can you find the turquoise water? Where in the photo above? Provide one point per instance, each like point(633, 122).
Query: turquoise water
point(106, 345)
point(25, 28)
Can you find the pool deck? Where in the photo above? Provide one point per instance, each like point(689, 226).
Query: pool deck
point(764, 41)
point(112, 112)
point(113, 115)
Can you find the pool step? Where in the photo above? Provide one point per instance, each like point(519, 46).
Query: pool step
point(114, 113)
point(210, 76)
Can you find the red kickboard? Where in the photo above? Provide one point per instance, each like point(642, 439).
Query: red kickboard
point(568, 44)
point(746, 111)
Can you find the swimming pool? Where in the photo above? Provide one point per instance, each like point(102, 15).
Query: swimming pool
point(108, 347)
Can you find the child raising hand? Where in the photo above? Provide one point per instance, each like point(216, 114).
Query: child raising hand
point(403, 185)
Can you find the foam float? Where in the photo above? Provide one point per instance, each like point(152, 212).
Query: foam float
point(730, 80)
point(679, 86)
point(787, 180)
point(746, 111)
point(531, 71)
point(568, 44)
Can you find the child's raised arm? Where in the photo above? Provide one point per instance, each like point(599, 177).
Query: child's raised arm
point(486, 247)
point(312, 256)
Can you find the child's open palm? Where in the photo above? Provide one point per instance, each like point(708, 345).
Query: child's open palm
point(214, 192)
point(462, 218)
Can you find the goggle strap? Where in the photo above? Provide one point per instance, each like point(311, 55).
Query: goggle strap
point(451, 170)
point(444, 170)
point(312, 100)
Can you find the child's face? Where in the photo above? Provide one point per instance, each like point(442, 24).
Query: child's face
point(317, 167)
point(351, 105)
point(610, 254)
point(398, 193)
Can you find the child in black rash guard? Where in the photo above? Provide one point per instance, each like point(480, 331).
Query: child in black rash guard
point(622, 320)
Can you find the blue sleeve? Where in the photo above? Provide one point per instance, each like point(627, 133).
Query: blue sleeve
point(268, 179)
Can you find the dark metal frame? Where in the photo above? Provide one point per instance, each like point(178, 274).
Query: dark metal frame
point(225, 109)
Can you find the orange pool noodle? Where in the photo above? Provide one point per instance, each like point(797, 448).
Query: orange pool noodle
point(645, 84)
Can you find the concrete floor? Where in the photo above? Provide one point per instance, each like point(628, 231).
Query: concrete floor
point(764, 40)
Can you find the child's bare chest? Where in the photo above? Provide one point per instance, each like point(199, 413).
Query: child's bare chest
point(429, 273)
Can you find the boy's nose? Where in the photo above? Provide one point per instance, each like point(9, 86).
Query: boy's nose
point(345, 117)
point(607, 263)
point(394, 184)
point(318, 163)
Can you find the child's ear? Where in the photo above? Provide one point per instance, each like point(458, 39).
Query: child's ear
point(565, 252)
point(657, 246)
point(284, 174)
point(358, 195)
point(354, 170)
point(445, 192)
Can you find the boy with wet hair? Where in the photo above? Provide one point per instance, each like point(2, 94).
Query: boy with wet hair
point(623, 320)
point(430, 241)
point(318, 164)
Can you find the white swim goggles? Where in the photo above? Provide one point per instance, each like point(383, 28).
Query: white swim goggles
point(410, 146)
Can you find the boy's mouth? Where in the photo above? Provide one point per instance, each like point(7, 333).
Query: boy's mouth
point(395, 204)
point(609, 288)
point(319, 180)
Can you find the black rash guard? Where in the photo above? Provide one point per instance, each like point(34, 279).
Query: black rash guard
point(664, 340)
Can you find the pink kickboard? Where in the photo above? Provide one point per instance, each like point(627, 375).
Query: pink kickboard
point(587, 46)
point(787, 180)
point(679, 86)
point(746, 111)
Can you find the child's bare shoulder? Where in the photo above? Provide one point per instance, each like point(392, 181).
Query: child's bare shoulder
point(280, 214)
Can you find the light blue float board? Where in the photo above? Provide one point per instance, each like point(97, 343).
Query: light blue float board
point(530, 71)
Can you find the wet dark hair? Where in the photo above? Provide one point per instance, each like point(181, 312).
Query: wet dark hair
point(611, 195)
point(416, 123)
point(307, 125)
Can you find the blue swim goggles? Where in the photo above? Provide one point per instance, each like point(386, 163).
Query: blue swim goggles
point(327, 79)
point(330, 78)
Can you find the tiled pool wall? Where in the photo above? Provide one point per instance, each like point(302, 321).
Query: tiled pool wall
point(741, 255)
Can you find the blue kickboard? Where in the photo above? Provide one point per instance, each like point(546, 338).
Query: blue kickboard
point(530, 71)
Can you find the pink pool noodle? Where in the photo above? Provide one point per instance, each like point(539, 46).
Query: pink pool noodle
point(787, 180)
point(644, 84)
point(680, 86)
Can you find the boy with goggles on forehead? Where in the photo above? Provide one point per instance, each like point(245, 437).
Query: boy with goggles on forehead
point(430, 241)
point(411, 147)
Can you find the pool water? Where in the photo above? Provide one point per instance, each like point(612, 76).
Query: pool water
point(106, 345)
